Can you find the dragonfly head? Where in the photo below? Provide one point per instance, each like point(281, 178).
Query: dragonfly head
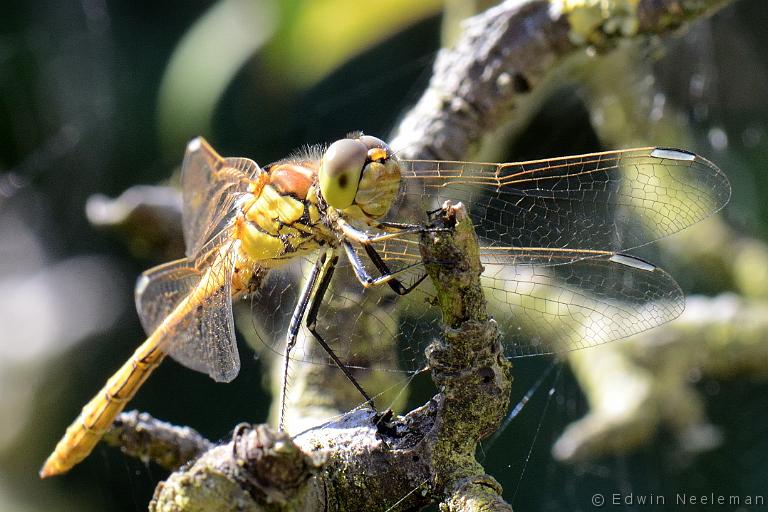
point(359, 175)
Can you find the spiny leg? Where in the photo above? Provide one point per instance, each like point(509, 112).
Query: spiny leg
point(312, 295)
point(389, 230)
point(329, 264)
point(294, 326)
point(387, 276)
point(382, 267)
point(401, 226)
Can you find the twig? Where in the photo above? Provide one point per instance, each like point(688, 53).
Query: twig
point(508, 51)
point(468, 366)
point(142, 436)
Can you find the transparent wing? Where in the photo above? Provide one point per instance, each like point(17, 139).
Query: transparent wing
point(541, 309)
point(546, 309)
point(211, 186)
point(160, 289)
point(363, 327)
point(612, 201)
point(196, 300)
point(572, 300)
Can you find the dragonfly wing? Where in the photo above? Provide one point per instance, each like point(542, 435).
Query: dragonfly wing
point(211, 186)
point(554, 300)
point(194, 307)
point(205, 337)
point(558, 308)
point(360, 325)
point(160, 289)
point(612, 201)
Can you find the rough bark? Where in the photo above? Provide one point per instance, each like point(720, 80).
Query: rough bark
point(144, 437)
point(507, 52)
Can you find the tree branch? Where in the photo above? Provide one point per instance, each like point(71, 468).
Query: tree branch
point(635, 388)
point(144, 437)
point(507, 52)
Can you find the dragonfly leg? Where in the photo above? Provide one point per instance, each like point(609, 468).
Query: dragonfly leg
point(328, 264)
point(377, 260)
point(399, 227)
point(408, 228)
point(387, 276)
point(362, 237)
point(293, 329)
point(309, 303)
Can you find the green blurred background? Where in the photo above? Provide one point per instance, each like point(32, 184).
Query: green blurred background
point(98, 96)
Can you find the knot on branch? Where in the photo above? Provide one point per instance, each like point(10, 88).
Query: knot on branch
point(275, 469)
point(259, 469)
point(481, 492)
point(471, 348)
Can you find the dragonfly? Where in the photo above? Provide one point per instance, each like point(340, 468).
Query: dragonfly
point(555, 236)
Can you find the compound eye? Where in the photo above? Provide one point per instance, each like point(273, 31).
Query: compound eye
point(340, 172)
point(373, 143)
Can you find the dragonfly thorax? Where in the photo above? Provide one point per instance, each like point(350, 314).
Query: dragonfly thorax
point(280, 217)
point(286, 210)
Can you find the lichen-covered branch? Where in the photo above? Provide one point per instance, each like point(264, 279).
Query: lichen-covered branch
point(468, 366)
point(508, 51)
point(144, 437)
point(260, 469)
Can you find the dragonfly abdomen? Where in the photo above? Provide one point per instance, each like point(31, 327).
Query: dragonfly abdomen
point(97, 415)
